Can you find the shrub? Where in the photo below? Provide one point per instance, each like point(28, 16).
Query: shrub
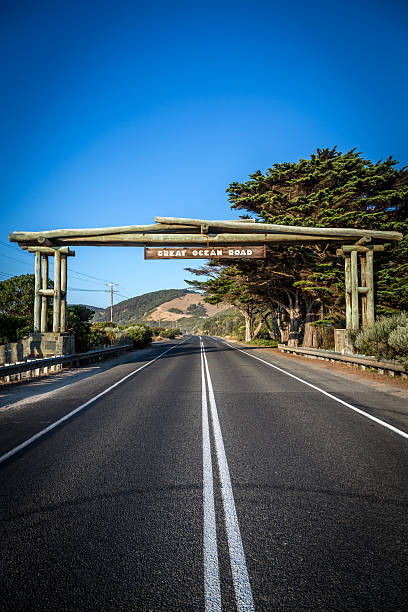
point(78, 324)
point(170, 333)
point(140, 335)
point(157, 331)
point(14, 327)
point(387, 339)
point(398, 340)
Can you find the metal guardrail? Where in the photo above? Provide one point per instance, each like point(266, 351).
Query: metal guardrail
point(49, 362)
point(365, 362)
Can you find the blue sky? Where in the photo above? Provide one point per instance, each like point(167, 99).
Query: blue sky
point(113, 112)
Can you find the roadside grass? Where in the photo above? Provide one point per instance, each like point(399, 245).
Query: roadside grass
point(261, 342)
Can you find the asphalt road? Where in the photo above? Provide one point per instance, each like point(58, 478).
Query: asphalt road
point(209, 478)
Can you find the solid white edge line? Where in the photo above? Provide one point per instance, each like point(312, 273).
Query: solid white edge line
point(212, 586)
point(242, 586)
point(401, 433)
point(41, 433)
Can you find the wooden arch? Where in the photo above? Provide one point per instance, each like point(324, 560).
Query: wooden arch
point(176, 232)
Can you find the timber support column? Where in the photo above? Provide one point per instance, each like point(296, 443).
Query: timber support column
point(57, 293)
point(63, 322)
point(37, 297)
point(355, 322)
point(44, 298)
point(370, 287)
point(347, 273)
point(362, 257)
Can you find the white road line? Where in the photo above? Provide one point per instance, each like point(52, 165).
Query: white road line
point(401, 433)
point(242, 586)
point(41, 433)
point(212, 586)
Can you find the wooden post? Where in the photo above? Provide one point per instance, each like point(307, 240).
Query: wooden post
point(57, 293)
point(354, 292)
point(370, 287)
point(63, 325)
point(363, 295)
point(44, 299)
point(37, 298)
point(347, 274)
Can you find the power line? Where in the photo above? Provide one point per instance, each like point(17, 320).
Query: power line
point(23, 263)
point(96, 280)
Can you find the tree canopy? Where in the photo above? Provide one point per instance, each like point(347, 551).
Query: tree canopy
point(303, 283)
point(17, 295)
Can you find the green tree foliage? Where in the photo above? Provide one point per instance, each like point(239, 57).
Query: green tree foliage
point(297, 285)
point(13, 327)
point(79, 324)
point(225, 323)
point(197, 310)
point(17, 296)
point(334, 189)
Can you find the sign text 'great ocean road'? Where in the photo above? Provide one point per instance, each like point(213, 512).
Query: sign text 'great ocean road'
point(236, 252)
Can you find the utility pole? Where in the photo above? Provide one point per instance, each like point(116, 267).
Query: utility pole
point(111, 285)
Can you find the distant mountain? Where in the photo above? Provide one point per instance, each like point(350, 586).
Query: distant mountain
point(189, 306)
point(95, 308)
point(139, 308)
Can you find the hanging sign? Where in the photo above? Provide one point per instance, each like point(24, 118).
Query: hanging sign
point(208, 252)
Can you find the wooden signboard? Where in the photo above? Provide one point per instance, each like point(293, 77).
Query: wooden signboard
point(212, 252)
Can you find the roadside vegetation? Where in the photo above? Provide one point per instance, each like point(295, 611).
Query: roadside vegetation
point(296, 295)
point(297, 292)
point(387, 339)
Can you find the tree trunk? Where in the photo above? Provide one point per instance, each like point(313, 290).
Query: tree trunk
point(257, 329)
point(248, 327)
point(270, 331)
point(310, 337)
point(294, 316)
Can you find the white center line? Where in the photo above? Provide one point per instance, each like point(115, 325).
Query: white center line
point(212, 587)
point(242, 586)
point(68, 416)
point(401, 433)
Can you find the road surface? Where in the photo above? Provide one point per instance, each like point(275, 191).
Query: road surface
point(200, 475)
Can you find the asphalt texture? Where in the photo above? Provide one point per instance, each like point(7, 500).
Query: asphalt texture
point(105, 512)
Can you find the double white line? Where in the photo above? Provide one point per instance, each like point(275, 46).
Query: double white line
point(212, 586)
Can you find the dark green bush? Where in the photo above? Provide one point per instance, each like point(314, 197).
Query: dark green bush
point(387, 339)
point(14, 327)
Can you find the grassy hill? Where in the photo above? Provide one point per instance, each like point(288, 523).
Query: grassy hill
point(137, 308)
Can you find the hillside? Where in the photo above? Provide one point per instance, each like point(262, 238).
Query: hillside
point(139, 307)
point(164, 307)
point(188, 305)
point(94, 308)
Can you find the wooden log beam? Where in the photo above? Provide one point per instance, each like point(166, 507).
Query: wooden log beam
point(98, 231)
point(349, 248)
point(44, 300)
point(193, 239)
point(47, 293)
point(48, 251)
point(287, 229)
point(364, 240)
point(45, 241)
